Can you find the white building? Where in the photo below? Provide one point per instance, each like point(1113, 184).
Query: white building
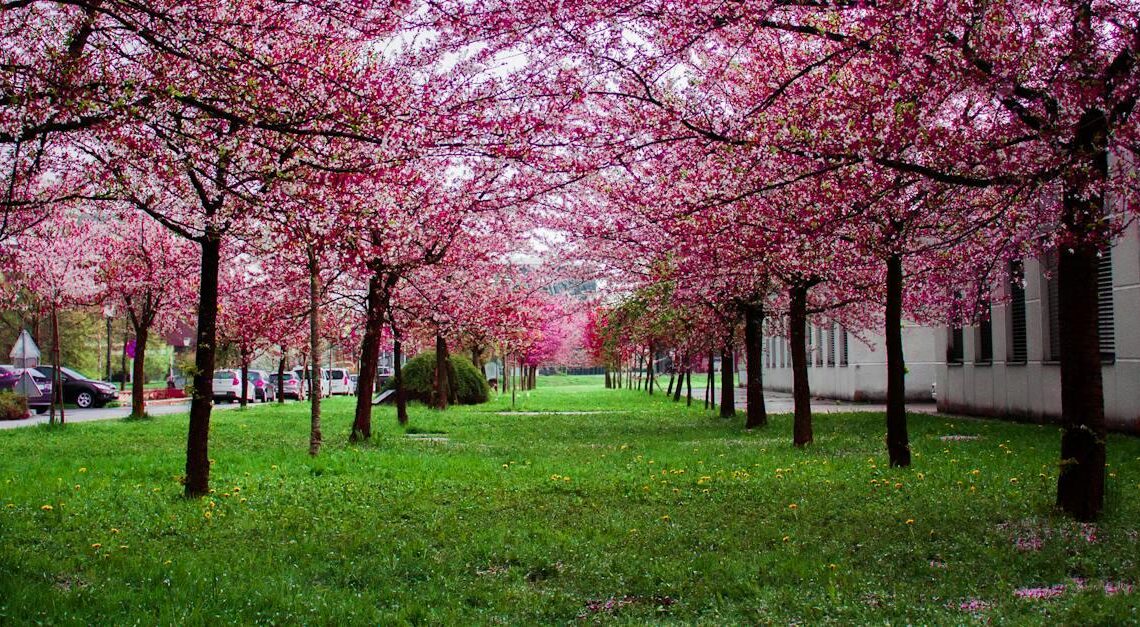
point(1007, 367)
point(843, 367)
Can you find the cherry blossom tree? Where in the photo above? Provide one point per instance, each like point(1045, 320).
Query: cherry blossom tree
point(148, 272)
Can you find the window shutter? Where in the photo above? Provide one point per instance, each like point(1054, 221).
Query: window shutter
point(1019, 351)
point(831, 345)
point(843, 347)
point(1106, 328)
point(1053, 308)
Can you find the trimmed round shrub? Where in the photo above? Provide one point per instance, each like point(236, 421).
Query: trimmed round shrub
point(419, 379)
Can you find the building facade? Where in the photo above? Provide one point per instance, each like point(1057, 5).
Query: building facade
point(1007, 366)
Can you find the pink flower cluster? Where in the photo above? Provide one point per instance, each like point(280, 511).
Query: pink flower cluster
point(1051, 592)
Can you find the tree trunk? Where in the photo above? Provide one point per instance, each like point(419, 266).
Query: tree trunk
point(727, 381)
point(442, 385)
point(650, 370)
point(801, 391)
point(533, 377)
point(712, 379)
point(316, 384)
point(680, 379)
point(477, 358)
point(369, 359)
point(56, 378)
point(606, 372)
point(398, 375)
point(754, 364)
point(244, 378)
point(689, 385)
point(138, 385)
point(110, 375)
point(898, 443)
point(198, 434)
point(1080, 481)
point(281, 378)
point(123, 356)
point(672, 378)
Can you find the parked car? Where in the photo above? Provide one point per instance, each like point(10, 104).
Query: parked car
point(263, 390)
point(80, 389)
point(10, 379)
point(326, 382)
point(227, 386)
point(294, 387)
point(341, 381)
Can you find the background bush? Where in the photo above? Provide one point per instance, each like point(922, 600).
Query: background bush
point(419, 378)
point(12, 406)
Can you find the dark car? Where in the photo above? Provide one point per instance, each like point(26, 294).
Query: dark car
point(82, 390)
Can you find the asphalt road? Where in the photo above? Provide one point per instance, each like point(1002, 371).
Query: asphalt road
point(110, 413)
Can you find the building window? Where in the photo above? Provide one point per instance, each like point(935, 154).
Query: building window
point(1052, 339)
point(1018, 349)
point(831, 345)
point(818, 348)
point(843, 346)
point(954, 350)
point(1106, 327)
point(984, 350)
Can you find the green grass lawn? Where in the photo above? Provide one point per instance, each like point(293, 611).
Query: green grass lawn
point(633, 510)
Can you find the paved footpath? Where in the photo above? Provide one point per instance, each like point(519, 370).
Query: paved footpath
point(110, 413)
point(782, 403)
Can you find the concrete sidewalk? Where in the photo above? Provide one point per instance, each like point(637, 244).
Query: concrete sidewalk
point(782, 403)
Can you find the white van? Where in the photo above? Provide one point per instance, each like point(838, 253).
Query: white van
point(326, 382)
point(341, 381)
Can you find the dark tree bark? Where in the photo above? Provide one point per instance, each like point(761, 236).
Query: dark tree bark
point(138, 376)
point(672, 378)
point(650, 368)
point(757, 414)
point(442, 383)
point(606, 372)
point(801, 391)
point(108, 364)
point(398, 375)
point(712, 379)
point(244, 379)
point(533, 378)
point(689, 385)
point(1080, 482)
point(898, 443)
point(57, 378)
point(123, 356)
point(281, 379)
point(727, 381)
point(680, 379)
point(376, 305)
point(197, 438)
point(477, 358)
point(315, 384)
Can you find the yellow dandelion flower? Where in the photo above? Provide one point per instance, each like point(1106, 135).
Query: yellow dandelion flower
point(786, 538)
point(793, 506)
point(83, 469)
point(505, 466)
point(273, 467)
point(243, 500)
point(46, 508)
point(665, 518)
point(96, 546)
point(114, 530)
point(236, 489)
point(166, 563)
point(833, 566)
point(910, 521)
point(207, 514)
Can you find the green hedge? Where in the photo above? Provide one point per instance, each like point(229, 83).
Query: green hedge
point(12, 406)
point(419, 379)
